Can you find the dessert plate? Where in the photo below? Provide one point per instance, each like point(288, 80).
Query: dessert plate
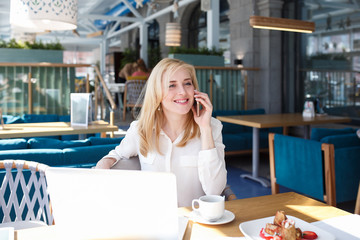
point(226, 218)
point(251, 229)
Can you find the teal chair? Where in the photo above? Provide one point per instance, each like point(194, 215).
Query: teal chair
point(305, 166)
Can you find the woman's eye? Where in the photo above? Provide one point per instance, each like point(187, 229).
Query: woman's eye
point(171, 85)
point(189, 83)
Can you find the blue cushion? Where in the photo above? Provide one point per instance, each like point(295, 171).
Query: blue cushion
point(76, 137)
point(91, 154)
point(38, 143)
point(225, 113)
point(235, 142)
point(69, 137)
point(34, 118)
point(82, 165)
point(252, 111)
point(343, 141)
point(9, 119)
point(102, 141)
point(347, 177)
point(263, 137)
point(243, 141)
point(10, 144)
point(51, 157)
point(64, 118)
point(229, 127)
point(318, 133)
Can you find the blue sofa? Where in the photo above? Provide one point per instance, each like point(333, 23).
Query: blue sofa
point(55, 152)
point(347, 159)
point(237, 138)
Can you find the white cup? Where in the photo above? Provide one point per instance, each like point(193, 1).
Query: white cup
point(210, 207)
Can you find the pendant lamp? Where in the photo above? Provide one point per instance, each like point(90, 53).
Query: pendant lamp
point(43, 14)
point(173, 34)
point(282, 24)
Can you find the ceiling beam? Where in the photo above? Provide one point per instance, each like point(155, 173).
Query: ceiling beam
point(132, 9)
point(108, 17)
point(149, 18)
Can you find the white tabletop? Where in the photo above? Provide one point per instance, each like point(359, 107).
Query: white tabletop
point(344, 227)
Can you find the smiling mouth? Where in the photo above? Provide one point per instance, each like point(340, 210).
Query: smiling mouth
point(181, 101)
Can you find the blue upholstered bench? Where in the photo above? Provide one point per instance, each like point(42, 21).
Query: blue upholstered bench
point(55, 152)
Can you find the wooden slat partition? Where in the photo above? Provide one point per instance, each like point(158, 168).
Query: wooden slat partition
point(32, 66)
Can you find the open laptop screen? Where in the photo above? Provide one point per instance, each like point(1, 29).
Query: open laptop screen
point(96, 203)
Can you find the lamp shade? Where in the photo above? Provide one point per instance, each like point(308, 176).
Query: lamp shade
point(282, 24)
point(43, 14)
point(173, 34)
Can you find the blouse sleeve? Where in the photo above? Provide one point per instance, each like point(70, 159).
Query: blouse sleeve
point(211, 165)
point(128, 147)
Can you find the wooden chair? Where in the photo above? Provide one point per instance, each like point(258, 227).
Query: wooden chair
point(132, 93)
point(24, 198)
point(306, 166)
point(134, 164)
point(357, 204)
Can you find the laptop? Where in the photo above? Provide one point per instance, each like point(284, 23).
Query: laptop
point(113, 204)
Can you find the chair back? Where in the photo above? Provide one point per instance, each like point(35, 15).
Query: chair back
point(132, 93)
point(23, 192)
point(133, 90)
point(303, 165)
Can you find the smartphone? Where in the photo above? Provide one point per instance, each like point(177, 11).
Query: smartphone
point(197, 106)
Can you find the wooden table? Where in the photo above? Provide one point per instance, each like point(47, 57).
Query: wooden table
point(284, 120)
point(53, 128)
point(248, 209)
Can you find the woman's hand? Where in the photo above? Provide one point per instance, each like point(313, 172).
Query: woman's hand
point(204, 118)
point(105, 163)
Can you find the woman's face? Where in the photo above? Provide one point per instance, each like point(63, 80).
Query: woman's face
point(178, 93)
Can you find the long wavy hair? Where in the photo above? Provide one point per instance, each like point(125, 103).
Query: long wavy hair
point(151, 118)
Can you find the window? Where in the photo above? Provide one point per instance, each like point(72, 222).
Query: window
point(198, 28)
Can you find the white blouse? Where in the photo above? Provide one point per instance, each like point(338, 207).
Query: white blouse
point(198, 172)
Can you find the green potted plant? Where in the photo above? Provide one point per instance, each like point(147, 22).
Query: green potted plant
point(198, 56)
point(17, 51)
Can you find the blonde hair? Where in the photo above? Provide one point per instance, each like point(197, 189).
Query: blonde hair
point(150, 118)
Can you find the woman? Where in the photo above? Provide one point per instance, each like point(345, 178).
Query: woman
point(141, 69)
point(126, 72)
point(170, 137)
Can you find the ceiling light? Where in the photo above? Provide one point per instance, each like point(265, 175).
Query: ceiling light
point(282, 24)
point(43, 14)
point(173, 34)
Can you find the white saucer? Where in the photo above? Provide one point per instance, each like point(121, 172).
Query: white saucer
point(226, 218)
